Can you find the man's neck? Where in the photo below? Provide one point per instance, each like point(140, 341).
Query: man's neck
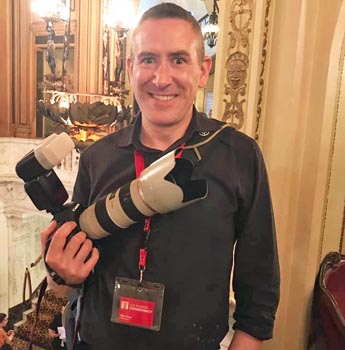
point(161, 137)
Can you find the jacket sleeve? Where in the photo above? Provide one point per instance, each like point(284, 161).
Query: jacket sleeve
point(256, 271)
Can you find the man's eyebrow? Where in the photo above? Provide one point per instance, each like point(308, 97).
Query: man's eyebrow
point(146, 54)
point(180, 53)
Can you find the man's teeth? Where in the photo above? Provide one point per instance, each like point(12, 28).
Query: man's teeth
point(163, 98)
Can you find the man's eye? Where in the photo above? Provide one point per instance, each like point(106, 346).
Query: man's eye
point(148, 60)
point(179, 60)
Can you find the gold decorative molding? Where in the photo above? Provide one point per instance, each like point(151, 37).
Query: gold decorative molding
point(237, 64)
point(332, 156)
point(23, 117)
point(262, 71)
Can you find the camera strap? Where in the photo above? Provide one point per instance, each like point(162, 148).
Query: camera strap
point(137, 302)
point(201, 144)
point(200, 152)
point(143, 251)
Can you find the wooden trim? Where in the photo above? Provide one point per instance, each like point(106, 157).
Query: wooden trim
point(6, 69)
point(23, 76)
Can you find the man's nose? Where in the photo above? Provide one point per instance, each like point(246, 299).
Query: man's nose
point(162, 75)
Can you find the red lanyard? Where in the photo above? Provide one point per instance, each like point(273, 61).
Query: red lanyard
point(139, 167)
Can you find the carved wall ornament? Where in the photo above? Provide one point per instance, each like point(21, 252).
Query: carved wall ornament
point(236, 75)
point(237, 64)
point(241, 14)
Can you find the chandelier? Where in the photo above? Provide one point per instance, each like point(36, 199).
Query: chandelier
point(54, 11)
point(211, 29)
point(86, 116)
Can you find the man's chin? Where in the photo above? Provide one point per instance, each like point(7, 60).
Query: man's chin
point(166, 120)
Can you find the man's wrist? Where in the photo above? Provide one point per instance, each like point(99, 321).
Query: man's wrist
point(244, 341)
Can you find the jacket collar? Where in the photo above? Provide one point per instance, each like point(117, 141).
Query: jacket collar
point(199, 125)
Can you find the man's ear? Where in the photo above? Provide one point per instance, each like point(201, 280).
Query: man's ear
point(205, 67)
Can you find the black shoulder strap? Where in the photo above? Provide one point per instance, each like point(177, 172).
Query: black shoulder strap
point(200, 147)
point(43, 288)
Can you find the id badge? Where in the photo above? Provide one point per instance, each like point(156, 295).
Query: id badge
point(138, 304)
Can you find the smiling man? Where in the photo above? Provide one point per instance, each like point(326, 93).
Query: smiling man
point(166, 68)
point(163, 283)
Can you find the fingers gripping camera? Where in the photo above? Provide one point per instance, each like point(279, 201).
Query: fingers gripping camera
point(162, 187)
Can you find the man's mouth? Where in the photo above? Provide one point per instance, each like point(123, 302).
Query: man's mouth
point(163, 97)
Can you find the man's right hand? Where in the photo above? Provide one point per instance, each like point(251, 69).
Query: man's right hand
point(69, 261)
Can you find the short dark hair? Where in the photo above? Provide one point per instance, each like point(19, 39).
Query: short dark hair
point(2, 316)
point(170, 10)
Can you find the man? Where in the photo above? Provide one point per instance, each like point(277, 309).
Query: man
point(190, 250)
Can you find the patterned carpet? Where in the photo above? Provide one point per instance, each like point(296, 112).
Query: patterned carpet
point(19, 344)
point(51, 305)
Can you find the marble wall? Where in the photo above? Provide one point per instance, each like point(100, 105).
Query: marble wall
point(21, 222)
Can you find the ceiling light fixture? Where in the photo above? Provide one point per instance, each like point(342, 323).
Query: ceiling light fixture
point(211, 29)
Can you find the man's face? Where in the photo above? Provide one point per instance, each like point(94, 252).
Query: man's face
point(165, 70)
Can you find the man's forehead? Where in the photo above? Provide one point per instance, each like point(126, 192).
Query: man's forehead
point(155, 34)
point(169, 21)
point(168, 27)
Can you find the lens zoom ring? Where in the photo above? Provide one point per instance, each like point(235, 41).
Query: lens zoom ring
point(103, 218)
point(127, 204)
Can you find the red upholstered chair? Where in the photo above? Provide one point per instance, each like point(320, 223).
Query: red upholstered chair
point(331, 300)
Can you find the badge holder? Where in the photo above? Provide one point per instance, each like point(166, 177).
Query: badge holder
point(138, 303)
